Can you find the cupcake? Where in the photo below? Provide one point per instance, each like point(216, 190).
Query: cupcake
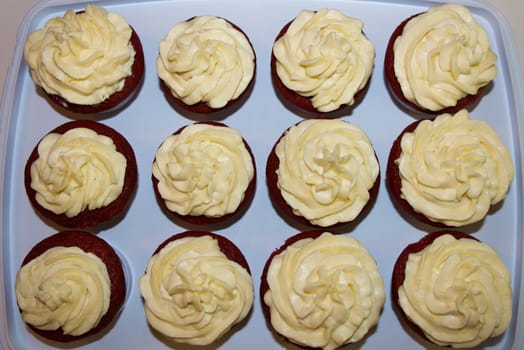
point(321, 290)
point(204, 174)
point(448, 172)
point(323, 173)
point(86, 62)
point(206, 64)
point(452, 290)
point(439, 61)
point(196, 287)
point(70, 286)
point(322, 61)
point(82, 174)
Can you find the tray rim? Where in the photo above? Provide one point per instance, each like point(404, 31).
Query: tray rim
point(11, 85)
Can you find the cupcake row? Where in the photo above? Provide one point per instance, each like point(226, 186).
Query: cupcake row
point(317, 290)
point(321, 173)
point(91, 61)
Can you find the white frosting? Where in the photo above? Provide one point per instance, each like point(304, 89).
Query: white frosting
point(83, 57)
point(327, 167)
point(325, 56)
point(77, 170)
point(457, 291)
point(203, 170)
point(193, 293)
point(324, 292)
point(206, 59)
point(442, 56)
point(63, 288)
point(454, 168)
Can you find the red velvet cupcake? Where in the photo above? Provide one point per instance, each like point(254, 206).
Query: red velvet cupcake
point(101, 77)
point(460, 67)
point(207, 269)
point(70, 286)
point(305, 283)
point(448, 172)
point(323, 173)
point(206, 64)
point(452, 290)
point(83, 174)
point(204, 174)
point(324, 73)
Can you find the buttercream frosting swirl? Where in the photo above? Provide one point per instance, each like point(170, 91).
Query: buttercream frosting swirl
point(193, 293)
point(83, 57)
point(324, 292)
point(454, 168)
point(324, 55)
point(65, 287)
point(77, 170)
point(441, 56)
point(206, 59)
point(326, 169)
point(457, 291)
point(203, 170)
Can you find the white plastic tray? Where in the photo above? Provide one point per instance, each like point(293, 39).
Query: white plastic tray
point(26, 117)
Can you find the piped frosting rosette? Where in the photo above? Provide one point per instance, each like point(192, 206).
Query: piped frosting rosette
point(454, 168)
point(456, 289)
point(322, 290)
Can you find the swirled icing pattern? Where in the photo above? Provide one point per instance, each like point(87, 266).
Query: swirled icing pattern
point(203, 170)
point(326, 169)
point(206, 59)
point(454, 168)
point(77, 170)
point(82, 57)
point(324, 55)
point(457, 291)
point(63, 288)
point(442, 56)
point(193, 293)
point(324, 292)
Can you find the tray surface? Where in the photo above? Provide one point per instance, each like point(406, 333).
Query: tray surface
point(27, 116)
